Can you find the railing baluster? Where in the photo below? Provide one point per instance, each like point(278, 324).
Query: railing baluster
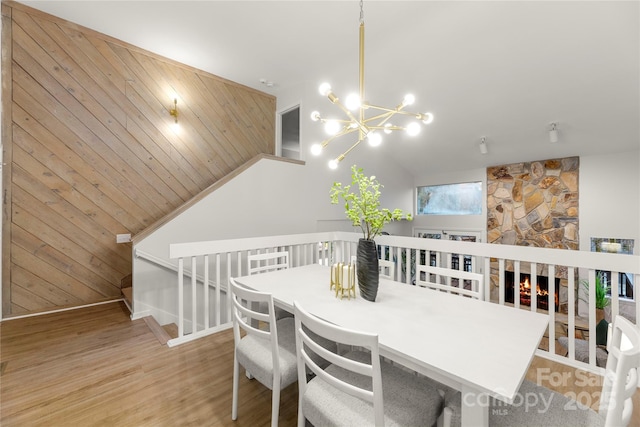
point(206, 291)
point(194, 299)
point(516, 283)
point(552, 307)
point(592, 317)
point(615, 293)
point(501, 282)
point(181, 297)
point(218, 303)
point(533, 278)
point(571, 312)
point(228, 291)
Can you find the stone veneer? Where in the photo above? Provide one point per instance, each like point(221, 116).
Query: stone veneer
point(533, 204)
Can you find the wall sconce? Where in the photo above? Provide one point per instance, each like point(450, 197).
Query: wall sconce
point(174, 111)
point(483, 146)
point(553, 133)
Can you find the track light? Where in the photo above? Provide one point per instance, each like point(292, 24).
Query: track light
point(483, 146)
point(553, 133)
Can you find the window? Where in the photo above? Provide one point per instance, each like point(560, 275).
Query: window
point(450, 199)
point(624, 281)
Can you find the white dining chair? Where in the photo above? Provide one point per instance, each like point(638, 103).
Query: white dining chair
point(620, 382)
point(267, 262)
point(356, 389)
point(268, 351)
point(387, 269)
point(458, 282)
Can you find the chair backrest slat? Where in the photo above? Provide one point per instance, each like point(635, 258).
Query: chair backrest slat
point(269, 261)
point(246, 317)
point(307, 346)
point(621, 373)
point(458, 282)
point(387, 269)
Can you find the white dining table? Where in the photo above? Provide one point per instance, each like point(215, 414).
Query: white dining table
point(480, 348)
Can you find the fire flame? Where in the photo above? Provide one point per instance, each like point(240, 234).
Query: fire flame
point(525, 288)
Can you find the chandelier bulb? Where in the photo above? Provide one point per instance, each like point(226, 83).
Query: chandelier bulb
point(387, 128)
point(315, 116)
point(324, 89)
point(427, 118)
point(413, 129)
point(352, 102)
point(409, 99)
point(333, 164)
point(316, 149)
point(332, 127)
point(374, 139)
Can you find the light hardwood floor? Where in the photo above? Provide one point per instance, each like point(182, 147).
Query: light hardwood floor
point(96, 367)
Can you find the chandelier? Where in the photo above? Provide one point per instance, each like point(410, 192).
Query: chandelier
point(355, 107)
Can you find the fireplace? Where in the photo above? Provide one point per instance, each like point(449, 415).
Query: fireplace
point(542, 290)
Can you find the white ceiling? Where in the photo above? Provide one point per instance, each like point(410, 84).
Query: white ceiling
point(502, 70)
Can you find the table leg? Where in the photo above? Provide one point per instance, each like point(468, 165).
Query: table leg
point(475, 408)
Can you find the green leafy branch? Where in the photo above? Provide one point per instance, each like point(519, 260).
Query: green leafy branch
point(362, 203)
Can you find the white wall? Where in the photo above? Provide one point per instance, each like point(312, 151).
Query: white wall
point(610, 198)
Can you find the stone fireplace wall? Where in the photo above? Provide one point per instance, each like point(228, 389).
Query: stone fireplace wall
point(533, 204)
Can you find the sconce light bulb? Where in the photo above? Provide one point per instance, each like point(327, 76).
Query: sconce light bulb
point(316, 149)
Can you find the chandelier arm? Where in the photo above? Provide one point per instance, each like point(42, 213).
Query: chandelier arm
point(343, 155)
point(344, 131)
point(387, 128)
point(398, 109)
point(360, 124)
point(384, 117)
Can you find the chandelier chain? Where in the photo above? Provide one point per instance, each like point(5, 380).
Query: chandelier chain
point(361, 11)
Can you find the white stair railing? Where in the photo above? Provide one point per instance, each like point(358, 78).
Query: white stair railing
point(216, 261)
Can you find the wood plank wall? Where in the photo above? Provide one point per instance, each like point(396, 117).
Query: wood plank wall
point(90, 152)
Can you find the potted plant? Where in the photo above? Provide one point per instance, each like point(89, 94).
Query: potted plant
point(602, 289)
point(362, 206)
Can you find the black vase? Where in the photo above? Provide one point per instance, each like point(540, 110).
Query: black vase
point(367, 268)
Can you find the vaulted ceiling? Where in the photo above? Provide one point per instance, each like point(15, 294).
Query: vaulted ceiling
point(500, 70)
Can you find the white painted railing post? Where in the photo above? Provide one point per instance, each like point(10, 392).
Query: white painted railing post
point(180, 297)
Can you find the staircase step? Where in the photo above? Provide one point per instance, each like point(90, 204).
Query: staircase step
point(161, 334)
point(127, 294)
point(171, 329)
